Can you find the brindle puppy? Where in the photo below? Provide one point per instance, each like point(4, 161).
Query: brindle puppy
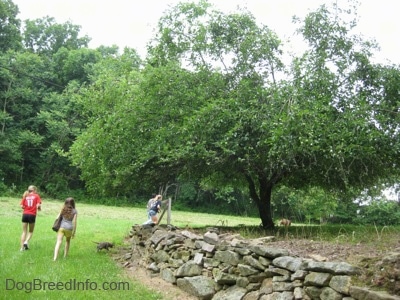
point(104, 245)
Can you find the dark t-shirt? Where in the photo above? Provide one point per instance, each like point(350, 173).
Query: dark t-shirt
point(156, 205)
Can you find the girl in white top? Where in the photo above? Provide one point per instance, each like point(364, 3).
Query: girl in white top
point(68, 226)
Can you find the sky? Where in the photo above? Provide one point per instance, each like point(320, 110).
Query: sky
point(130, 23)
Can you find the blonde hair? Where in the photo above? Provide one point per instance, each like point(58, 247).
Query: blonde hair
point(32, 188)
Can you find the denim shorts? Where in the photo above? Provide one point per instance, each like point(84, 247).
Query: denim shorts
point(152, 213)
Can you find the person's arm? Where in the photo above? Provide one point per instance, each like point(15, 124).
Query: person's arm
point(74, 222)
point(39, 204)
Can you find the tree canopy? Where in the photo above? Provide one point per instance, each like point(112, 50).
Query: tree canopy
point(218, 105)
point(218, 100)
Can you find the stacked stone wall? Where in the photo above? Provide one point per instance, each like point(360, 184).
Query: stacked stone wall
point(224, 266)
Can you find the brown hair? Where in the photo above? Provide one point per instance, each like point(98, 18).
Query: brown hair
point(70, 201)
point(68, 210)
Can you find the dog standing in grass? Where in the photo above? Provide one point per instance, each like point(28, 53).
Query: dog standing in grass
point(285, 222)
point(104, 245)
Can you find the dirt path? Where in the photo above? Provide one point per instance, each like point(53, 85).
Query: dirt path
point(153, 282)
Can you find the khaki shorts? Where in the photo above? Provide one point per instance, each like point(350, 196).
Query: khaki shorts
point(66, 232)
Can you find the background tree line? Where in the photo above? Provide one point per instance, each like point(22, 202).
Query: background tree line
point(217, 115)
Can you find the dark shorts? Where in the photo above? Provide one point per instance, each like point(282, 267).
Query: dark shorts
point(28, 219)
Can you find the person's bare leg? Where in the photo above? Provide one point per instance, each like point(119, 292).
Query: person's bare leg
point(58, 244)
point(154, 219)
point(67, 243)
point(30, 233)
point(23, 236)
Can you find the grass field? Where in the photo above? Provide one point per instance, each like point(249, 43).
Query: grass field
point(85, 273)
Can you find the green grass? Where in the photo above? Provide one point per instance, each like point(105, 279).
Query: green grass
point(89, 269)
point(29, 274)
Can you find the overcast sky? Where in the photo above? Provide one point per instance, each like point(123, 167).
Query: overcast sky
point(129, 23)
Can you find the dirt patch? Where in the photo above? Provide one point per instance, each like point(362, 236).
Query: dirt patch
point(153, 282)
point(380, 265)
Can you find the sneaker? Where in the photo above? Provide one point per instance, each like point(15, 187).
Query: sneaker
point(26, 246)
point(22, 249)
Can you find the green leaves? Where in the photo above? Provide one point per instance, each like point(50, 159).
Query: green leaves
point(45, 37)
point(216, 103)
point(10, 38)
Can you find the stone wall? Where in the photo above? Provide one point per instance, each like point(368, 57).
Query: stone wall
point(224, 266)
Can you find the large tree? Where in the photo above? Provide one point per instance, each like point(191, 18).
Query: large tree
point(37, 122)
point(217, 101)
point(10, 36)
point(330, 120)
point(45, 36)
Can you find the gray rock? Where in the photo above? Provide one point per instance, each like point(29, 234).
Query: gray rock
point(328, 293)
point(231, 293)
point(211, 238)
point(198, 286)
point(298, 293)
point(245, 270)
point(268, 251)
point(168, 275)
point(190, 235)
point(242, 282)
point(299, 274)
point(278, 296)
point(254, 295)
point(317, 279)
point(341, 284)
point(224, 278)
point(288, 262)
point(160, 256)
point(188, 269)
point(341, 268)
point(253, 262)
point(366, 294)
point(210, 262)
point(229, 257)
point(208, 247)
point(158, 236)
point(313, 292)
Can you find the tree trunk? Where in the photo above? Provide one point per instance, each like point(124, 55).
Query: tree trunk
point(263, 200)
point(264, 207)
